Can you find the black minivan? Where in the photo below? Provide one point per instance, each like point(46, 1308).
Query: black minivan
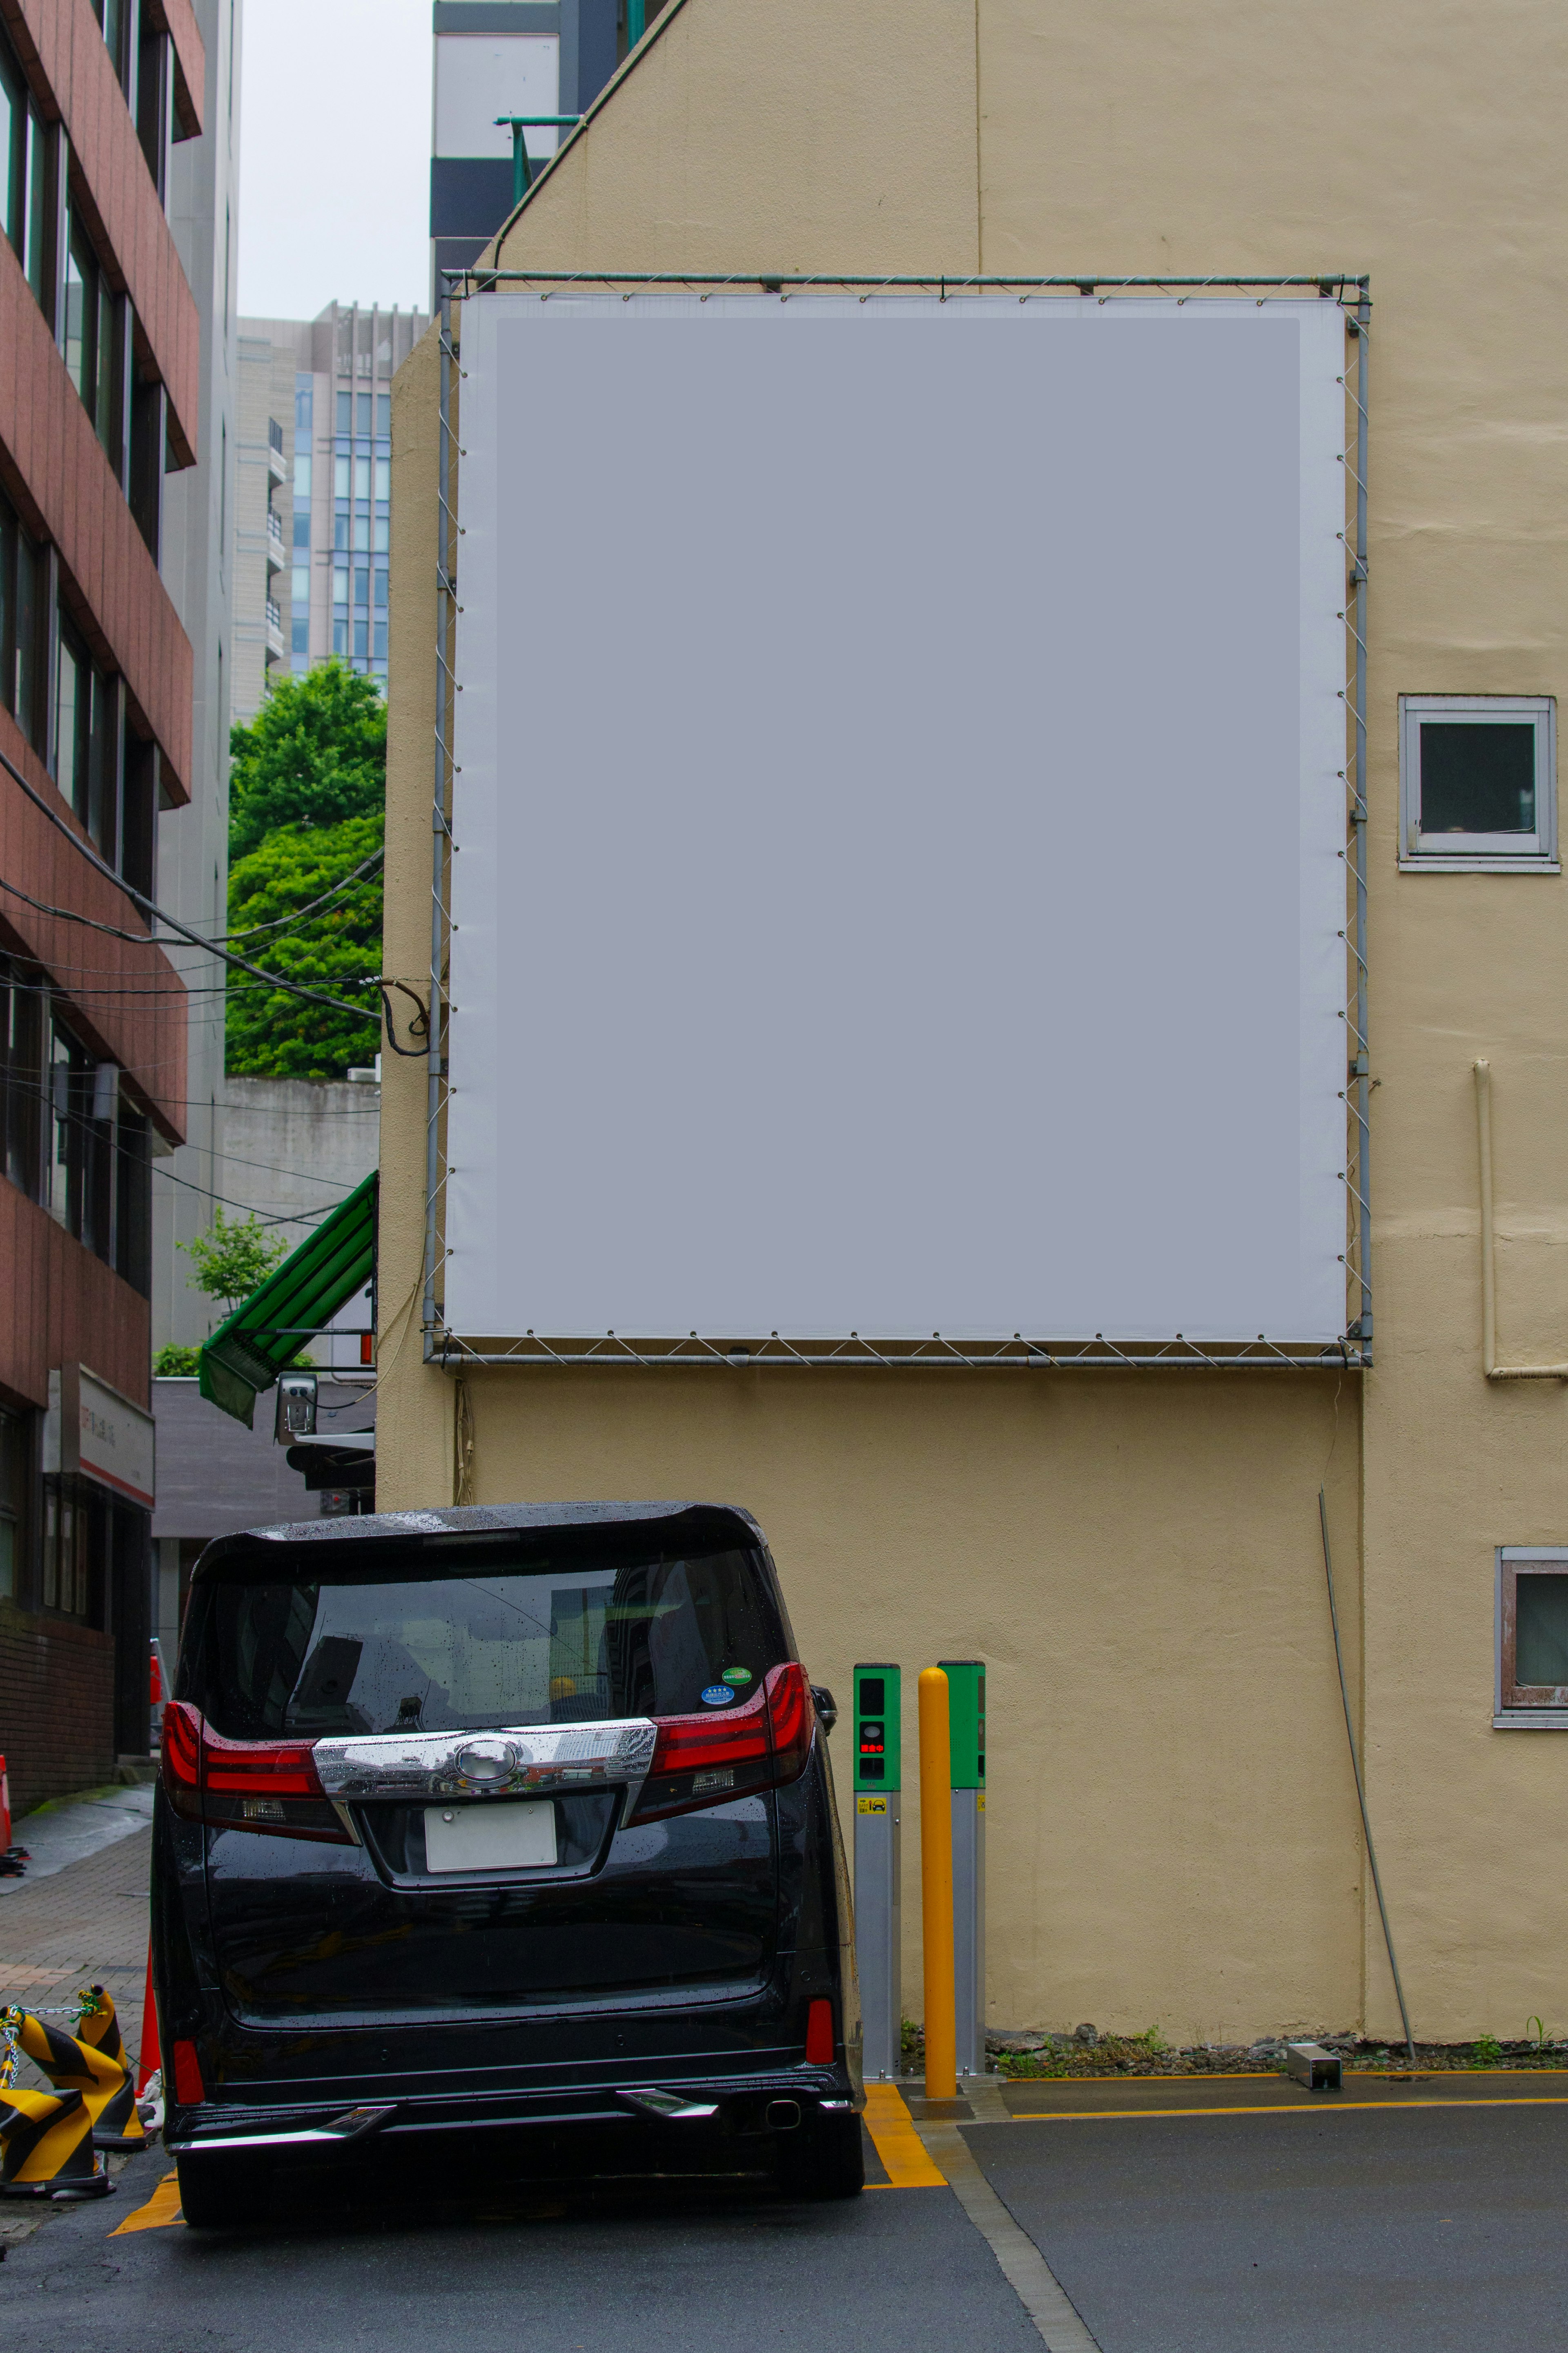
point(511, 1817)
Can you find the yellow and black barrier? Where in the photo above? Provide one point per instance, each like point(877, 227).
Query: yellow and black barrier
point(50, 2142)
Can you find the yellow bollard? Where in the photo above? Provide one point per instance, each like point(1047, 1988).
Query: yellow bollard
point(936, 1885)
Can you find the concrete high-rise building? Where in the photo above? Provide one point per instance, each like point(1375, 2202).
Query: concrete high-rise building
point(507, 57)
point(313, 491)
point(198, 570)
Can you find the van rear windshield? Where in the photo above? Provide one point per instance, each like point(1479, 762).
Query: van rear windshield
point(473, 1648)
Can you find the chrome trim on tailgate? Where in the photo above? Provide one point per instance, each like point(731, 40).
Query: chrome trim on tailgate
point(533, 1760)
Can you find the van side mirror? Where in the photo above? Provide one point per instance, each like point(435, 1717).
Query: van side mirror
point(827, 1706)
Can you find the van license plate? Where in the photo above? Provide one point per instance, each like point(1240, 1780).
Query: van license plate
point(502, 1836)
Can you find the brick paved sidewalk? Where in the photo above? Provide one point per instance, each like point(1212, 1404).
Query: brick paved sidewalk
point(86, 1925)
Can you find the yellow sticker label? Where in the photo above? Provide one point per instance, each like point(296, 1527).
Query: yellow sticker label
point(871, 1805)
point(981, 1808)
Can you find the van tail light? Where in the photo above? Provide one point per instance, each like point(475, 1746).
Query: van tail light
point(189, 2088)
point(245, 1785)
point(819, 2034)
point(705, 1760)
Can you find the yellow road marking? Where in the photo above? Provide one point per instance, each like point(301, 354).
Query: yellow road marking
point(1322, 2106)
point(899, 2147)
point(162, 2209)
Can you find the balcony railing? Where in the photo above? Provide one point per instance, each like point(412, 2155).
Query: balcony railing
point(275, 433)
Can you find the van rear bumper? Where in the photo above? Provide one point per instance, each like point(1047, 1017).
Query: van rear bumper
point(731, 2107)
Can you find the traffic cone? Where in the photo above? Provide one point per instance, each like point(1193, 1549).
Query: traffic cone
point(46, 2138)
point(115, 2122)
point(14, 1859)
point(151, 2059)
point(46, 2146)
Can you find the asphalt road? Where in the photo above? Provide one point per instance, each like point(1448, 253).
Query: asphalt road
point(1389, 2222)
point(899, 2268)
point(1334, 2232)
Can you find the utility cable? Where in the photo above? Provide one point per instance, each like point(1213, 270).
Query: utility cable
point(181, 931)
point(93, 1135)
point(1360, 1786)
point(214, 946)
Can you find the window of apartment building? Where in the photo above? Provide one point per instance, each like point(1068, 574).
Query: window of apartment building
point(115, 18)
point(24, 173)
point(152, 70)
point(1478, 783)
point(86, 740)
point(132, 1253)
point(21, 1073)
point(81, 1107)
point(67, 1549)
point(92, 340)
point(139, 807)
point(13, 1499)
point(21, 633)
point(1532, 1636)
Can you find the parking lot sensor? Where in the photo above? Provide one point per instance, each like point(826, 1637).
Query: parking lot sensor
point(966, 1745)
point(878, 1917)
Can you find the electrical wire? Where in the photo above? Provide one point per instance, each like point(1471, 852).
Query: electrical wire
point(214, 946)
point(91, 1129)
point(182, 930)
point(1360, 1786)
point(294, 1217)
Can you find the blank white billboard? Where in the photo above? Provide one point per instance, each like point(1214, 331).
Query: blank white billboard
point(899, 818)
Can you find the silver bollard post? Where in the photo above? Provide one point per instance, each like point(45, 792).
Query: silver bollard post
point(879, 1923)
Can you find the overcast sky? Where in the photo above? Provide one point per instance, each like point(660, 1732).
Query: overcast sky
point(334, 170)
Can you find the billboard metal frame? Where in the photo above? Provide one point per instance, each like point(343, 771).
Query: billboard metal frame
point(1352, 1351)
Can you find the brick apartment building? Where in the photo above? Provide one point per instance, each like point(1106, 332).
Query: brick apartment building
point(99, 352)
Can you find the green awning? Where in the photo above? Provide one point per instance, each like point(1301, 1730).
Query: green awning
point(268, 1330)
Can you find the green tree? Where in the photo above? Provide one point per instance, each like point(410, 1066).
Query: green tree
point(271, 1034)
point(314, 753)
point(233, 1260)
point(176, 1362)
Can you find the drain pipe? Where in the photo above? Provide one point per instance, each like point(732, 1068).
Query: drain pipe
point(1360, 1784)
point(1489, 1365)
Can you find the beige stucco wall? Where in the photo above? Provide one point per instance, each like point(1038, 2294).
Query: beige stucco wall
point(1172, 1829)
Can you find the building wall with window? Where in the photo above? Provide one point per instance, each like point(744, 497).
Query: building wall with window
point(514, 57)
point(1172, 1813)
point(198, 569)
point(315, 491)
point(100, 405)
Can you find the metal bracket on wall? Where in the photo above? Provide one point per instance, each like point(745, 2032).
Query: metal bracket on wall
point(521, 169)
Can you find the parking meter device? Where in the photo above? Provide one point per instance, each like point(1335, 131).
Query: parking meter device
point(879, 1927)
point(966, 1719)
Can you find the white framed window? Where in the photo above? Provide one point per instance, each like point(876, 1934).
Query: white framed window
point(1478, 783)
point(1531, 1637)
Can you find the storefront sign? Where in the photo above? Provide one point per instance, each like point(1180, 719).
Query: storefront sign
point(114, 1440)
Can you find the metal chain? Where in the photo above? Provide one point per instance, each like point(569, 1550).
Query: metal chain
point(87, 2005)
